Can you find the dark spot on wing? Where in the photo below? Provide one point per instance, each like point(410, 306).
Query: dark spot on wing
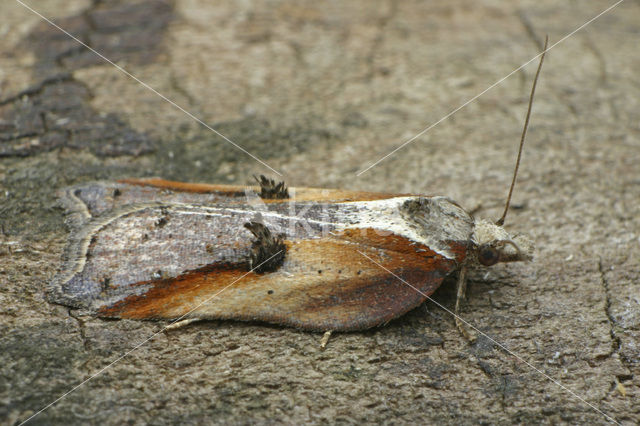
point(267, 251)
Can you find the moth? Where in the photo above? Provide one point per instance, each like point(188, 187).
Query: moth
point(314, 259)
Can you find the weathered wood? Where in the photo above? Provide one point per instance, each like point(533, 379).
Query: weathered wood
point(320, 91)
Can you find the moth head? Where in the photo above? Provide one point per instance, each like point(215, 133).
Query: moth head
point(494, 245)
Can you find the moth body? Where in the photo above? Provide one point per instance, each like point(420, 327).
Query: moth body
point(154, 249)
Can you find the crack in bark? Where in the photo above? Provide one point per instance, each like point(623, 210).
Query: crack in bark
point(500, 381)
point(82, 329)
point(38, 88)
point(615, 340)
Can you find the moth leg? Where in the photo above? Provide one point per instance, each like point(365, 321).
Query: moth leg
point(181, 323)
point(462, 288)
point(325, 339)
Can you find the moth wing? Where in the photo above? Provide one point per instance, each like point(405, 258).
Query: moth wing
point(324, 284)
point(85, 201)
point(94, 199)
point(108, 257)
point(296, 193)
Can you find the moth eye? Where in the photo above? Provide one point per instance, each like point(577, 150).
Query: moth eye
point(488, 255)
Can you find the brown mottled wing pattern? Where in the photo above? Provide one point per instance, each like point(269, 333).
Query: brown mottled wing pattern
point(170, 258)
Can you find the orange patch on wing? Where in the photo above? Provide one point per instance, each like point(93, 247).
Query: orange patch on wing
point(173, 297)
point(198, 188)
point(323, 284)
point(297, 194)
point(389, 241)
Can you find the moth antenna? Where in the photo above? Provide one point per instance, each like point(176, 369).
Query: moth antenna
point(500, 221)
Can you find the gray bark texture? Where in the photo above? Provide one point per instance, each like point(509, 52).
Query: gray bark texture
point(319, 91)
